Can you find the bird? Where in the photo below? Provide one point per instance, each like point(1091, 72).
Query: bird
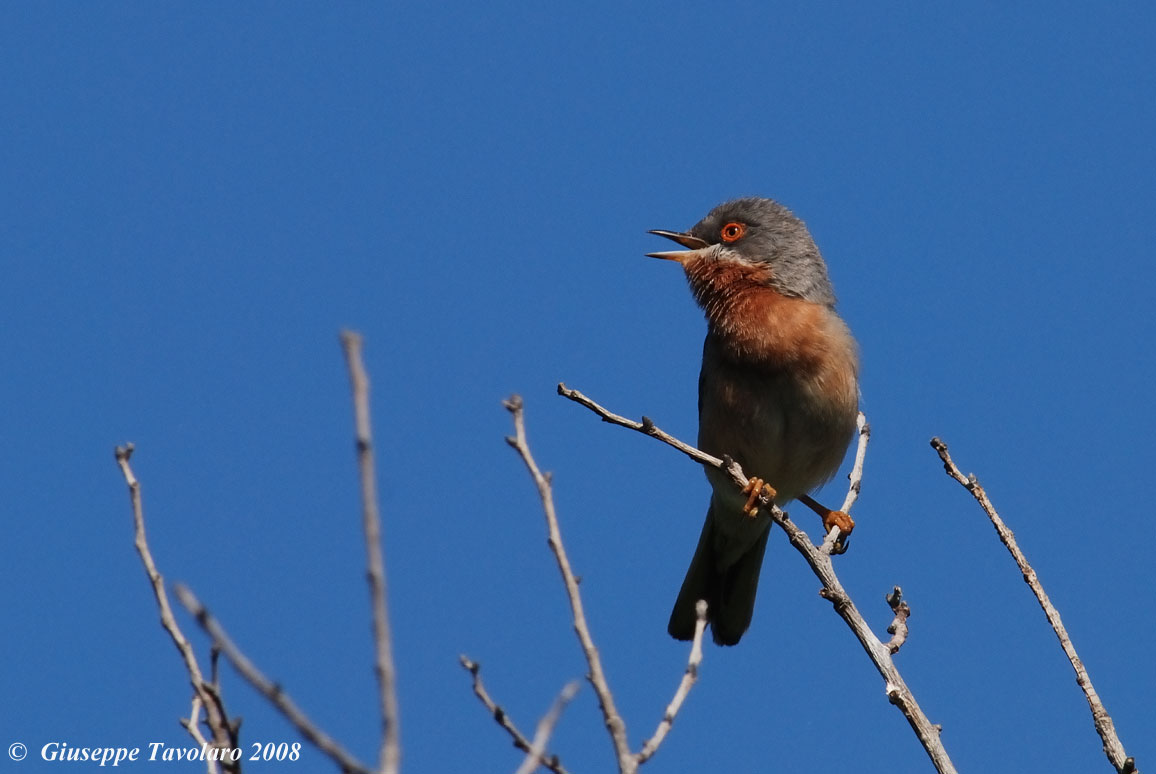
point(778, 393)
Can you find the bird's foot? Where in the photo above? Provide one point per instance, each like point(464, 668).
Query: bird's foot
point(755, 487)
point(838, 519)
point(831, 519)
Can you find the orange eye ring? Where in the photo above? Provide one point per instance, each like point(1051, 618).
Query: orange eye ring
point(733, 231)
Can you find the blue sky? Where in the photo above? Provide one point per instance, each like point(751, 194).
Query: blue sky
point(195, 199)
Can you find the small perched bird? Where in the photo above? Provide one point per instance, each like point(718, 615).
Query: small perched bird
point(778, 392)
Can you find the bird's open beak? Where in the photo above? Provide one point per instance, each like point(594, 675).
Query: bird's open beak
point(691, 243)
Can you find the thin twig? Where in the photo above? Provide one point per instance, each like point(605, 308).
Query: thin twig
point(895, 686)
point(597, 676)
point(1113, 748)
point(820, 563)
point(689, 677)
point(835, 541)
point(855, 477)
point(647, 427)
point(545, 727)
point(266, 687)
point(627, 762)
point(390, 754)
point(551, 762)
point(223, 732)
point(192, 725)
point(898, 627)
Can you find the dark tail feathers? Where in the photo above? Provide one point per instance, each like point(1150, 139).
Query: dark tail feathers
point(729, 591)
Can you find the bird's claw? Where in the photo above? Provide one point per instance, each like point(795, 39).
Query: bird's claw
point(754, 488)
point(838, 519)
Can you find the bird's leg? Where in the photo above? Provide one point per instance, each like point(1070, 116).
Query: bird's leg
point(831, 519)
point(755, 487)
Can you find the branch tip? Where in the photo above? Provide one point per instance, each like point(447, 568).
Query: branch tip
point(551, 762)
point(898, 626)
point(205, 697)
point(1113, 747)
point(383, 665)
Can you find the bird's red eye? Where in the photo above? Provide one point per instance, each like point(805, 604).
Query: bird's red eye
point(733, 231)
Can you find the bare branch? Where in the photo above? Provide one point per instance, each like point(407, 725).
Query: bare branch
point(597, 678)
point(545, 727)
point(1113, 748)
point(266, 687)
point(898, 627)
point(390, 755)
point(190, 724)
point(647, 427)
point(627, 762)
point(820, 563)
point(224, 733)
point(835, 542)
point(895, 686)
point(551, 762)
point(726, 465)
point(689, 677)
point(856, 474)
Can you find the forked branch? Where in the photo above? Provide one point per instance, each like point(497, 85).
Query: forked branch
point(551, 762)
point(597, 676)
point(206, 695)
point(628, 762)
point(271, 690)
point(818, 558)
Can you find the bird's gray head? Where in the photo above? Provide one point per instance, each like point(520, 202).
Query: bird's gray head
point(763, 234)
